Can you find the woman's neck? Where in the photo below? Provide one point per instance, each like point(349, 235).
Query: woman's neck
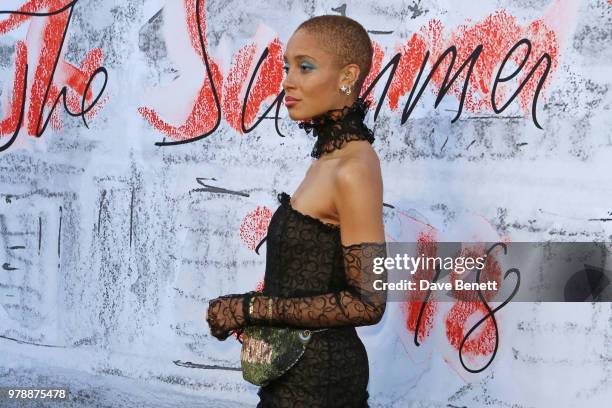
point(336, 127)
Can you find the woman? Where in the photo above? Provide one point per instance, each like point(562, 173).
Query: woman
point(321, 242)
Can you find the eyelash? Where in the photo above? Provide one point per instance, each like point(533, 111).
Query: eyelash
point(285, 68)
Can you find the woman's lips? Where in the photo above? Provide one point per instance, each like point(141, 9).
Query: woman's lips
point(290, 102)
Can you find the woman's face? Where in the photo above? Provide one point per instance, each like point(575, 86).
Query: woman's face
point(313, 78)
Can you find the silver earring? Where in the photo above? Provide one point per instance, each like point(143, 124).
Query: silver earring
point(346, 89)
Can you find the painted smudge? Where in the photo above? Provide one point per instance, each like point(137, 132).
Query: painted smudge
point(420, 315)
point(254, 226)
point(46, 36)
point(497, 33)
point(458, 318)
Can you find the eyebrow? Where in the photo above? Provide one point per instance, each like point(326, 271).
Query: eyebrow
point(299, 56)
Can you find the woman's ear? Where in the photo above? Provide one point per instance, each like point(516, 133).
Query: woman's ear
point(349, 75)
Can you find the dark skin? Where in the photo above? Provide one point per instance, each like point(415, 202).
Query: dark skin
point(341, 187)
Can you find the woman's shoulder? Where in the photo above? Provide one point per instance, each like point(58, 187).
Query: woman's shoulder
point(359, 170)
point(358, 197)
point(362, 158)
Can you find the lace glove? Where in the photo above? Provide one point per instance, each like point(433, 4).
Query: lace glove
point(225, 314)
point(358, 305)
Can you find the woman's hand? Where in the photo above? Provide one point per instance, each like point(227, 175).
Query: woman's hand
point(224, 314)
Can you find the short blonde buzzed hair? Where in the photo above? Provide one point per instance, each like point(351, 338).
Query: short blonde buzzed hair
point(345, 38)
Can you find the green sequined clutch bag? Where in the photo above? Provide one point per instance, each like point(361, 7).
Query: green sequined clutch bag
point(268, 351)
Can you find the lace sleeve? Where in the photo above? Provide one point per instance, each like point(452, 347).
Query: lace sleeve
point(362, 303)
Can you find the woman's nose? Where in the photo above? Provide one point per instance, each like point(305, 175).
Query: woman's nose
point(288, 82)
point(286, 85)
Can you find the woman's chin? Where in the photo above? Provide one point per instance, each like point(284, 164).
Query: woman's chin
point(296, 115)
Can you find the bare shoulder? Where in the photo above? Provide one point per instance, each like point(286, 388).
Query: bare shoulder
point(360, 168)
point(358, 197)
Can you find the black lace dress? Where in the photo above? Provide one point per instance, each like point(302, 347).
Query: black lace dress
point(318, 283)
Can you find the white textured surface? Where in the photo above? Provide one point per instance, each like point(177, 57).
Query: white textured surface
point(121, 306)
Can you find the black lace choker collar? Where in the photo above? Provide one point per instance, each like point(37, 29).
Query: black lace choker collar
point(338, 126)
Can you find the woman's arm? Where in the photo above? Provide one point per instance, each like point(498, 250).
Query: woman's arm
point(358, 305)
point(358, 199)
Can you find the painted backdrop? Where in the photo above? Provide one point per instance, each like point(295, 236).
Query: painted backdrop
point(142, 146)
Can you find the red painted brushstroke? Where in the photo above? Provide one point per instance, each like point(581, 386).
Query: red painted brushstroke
point(66, 74)
point(77, 77)
point(204, 112)
point(411, 58)
point(192, 24)
point(377, 60)
point(202, 117)
point(236, 79)
point(491, 272)
point(8, 124)
point(497, 33)
point(32, 6)
point(50, 44)
point(263, 86)
point(482, 340)
point(426, 246)
point(542, 40)
point(231, 90)
point(254, 226)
